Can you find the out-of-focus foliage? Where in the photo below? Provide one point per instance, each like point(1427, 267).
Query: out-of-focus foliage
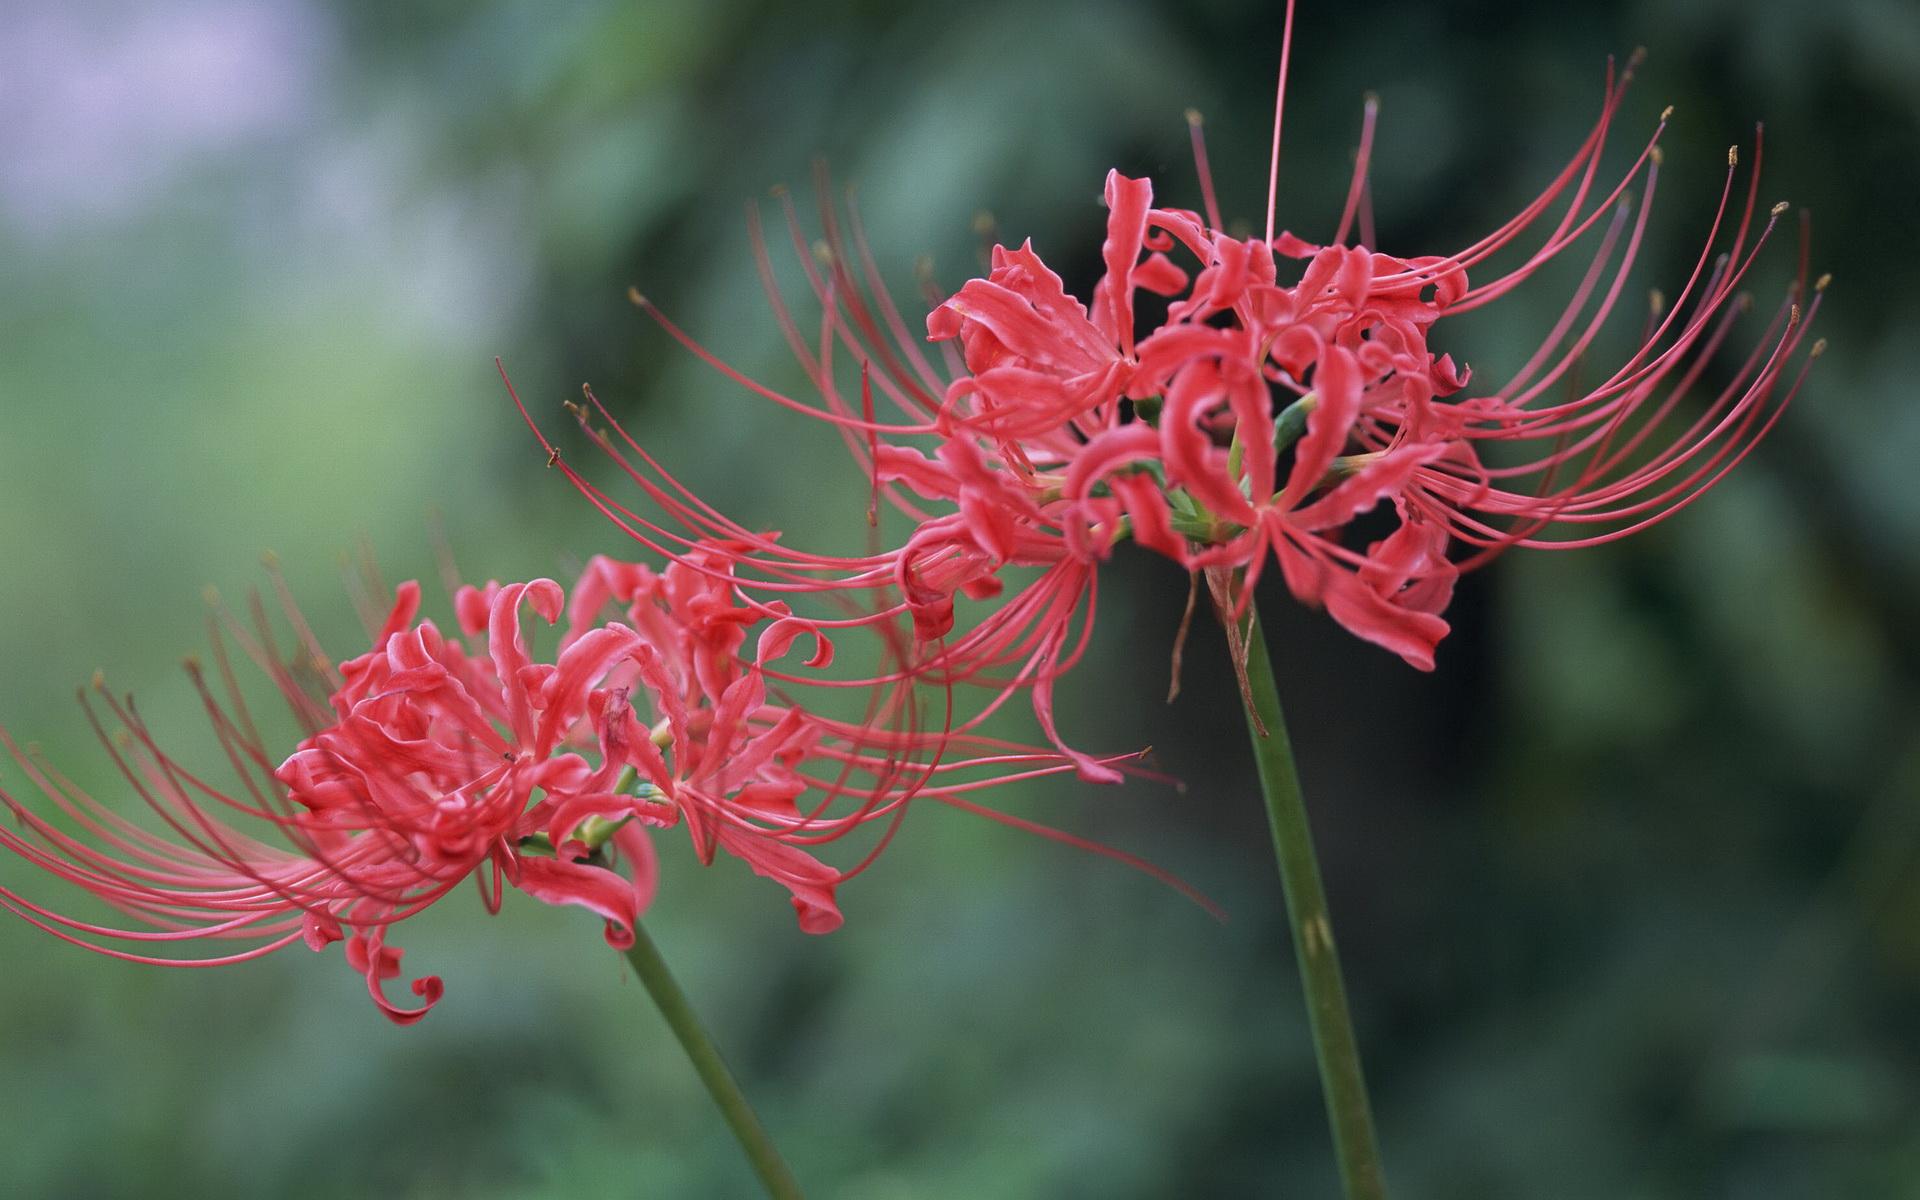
point(1626, 889)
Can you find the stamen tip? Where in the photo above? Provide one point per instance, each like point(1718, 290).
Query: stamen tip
point(1657, 155)
point(1820, 284)
point(270, 560)
point(1793, 316)
point(1781, 207)
point(1733, 156)
point(211, 595)
point(634, 297)
point(1658, 300)
point(1819, 348)
point(1194, 119)
point(1666, 114)
point(1638, 56)
point(99, 680)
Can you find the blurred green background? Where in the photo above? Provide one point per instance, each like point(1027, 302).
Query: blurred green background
point(1626, 889)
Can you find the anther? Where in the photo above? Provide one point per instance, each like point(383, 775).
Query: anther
point(1657, 155)
point(1193, 118)
point(553, 456)
point(99, 680)
point(1793, 316)
point(634, 296)
point(1658, 300)
point(1819, 348)
point(1781, 207)
point(1733, 156)
point(1666, 113)
point(1820, 284)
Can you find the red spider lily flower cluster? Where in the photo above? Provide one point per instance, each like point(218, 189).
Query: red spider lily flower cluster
point(1287, 404)
point(427, 761)
point(1292, 391)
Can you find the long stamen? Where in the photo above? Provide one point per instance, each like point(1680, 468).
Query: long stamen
point(1209, 201)
point(1279, 108)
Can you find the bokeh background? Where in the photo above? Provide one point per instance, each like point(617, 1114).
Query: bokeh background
point(1626, 888)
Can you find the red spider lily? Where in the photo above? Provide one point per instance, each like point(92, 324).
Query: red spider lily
point(422, 774)
point(426, 763)
point(1258, 421)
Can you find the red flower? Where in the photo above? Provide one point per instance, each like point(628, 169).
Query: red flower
point(1257, 422)
point(423, 775)
point(425, 764)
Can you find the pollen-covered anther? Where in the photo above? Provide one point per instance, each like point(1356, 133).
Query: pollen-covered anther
point(1780, 208)
point(1820, 284)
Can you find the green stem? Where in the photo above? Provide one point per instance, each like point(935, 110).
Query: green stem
point(652, 969)
point(1345, 1088)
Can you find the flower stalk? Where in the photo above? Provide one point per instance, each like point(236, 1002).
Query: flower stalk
point(652, 970)
point(1342, 1082)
